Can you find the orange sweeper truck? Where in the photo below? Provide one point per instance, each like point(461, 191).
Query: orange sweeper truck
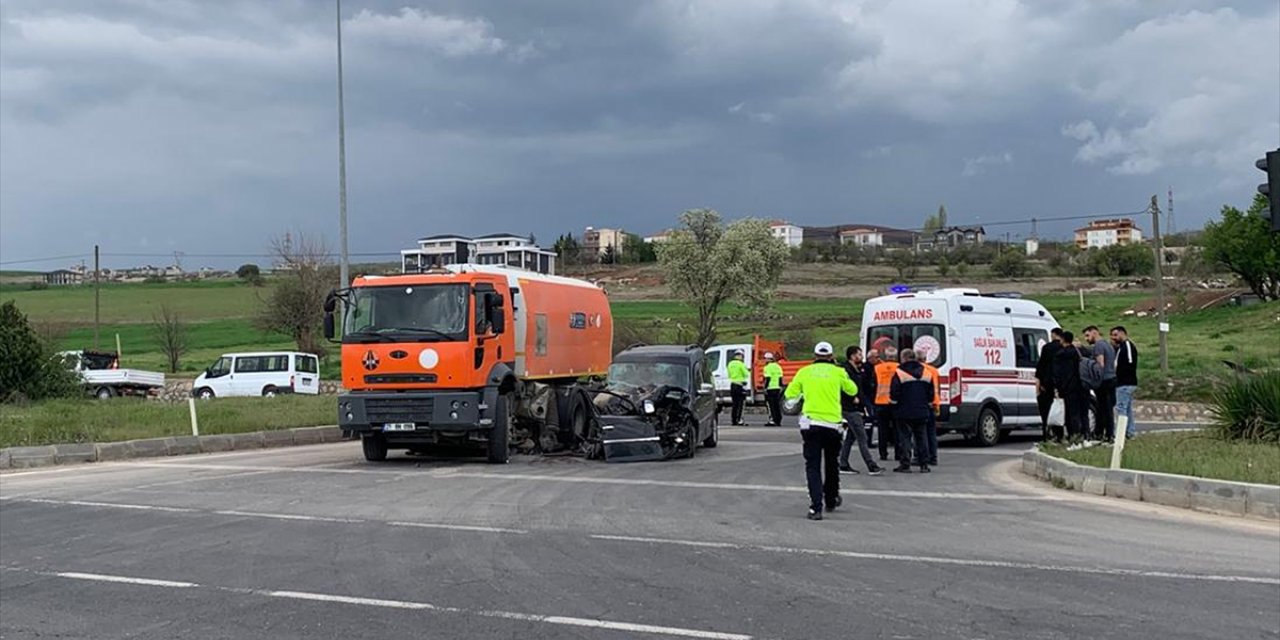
point(469, 355)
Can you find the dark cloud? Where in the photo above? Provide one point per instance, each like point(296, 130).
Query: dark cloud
point(161, 125)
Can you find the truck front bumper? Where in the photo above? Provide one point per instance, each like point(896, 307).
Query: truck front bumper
point(428, 412)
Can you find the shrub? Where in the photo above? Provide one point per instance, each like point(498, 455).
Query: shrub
point(1011, 264)
point(28, 368)
point(1247, 407)
point(1121, 260)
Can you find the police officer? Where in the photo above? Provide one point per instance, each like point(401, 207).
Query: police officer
point(885, 424)
point(739, 375)
point(820, 385)
point(911, 392)
point(773, 389)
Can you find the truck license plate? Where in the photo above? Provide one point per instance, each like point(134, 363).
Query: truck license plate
point(399, 426)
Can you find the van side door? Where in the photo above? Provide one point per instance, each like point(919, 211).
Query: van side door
point(1027, 344)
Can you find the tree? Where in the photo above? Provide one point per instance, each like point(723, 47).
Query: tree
point(170, 335)
point(944, 266)
point(295, 306)
point(29, 368)
point(906, 262)
point(1245, 245)
point(636, 250)
point(568, 250)
point(936, 222)
point(609, 255)
point(1011, 264)
point(1121, 260)
point(250, 273)
point(708, 264)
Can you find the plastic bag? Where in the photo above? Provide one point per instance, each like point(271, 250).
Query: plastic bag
point(1057, 413)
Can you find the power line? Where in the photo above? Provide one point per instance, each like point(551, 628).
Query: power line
point(48, 259)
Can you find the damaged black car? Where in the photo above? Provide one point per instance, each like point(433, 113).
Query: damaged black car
point(658, 403)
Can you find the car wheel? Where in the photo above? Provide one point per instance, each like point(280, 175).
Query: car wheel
point(691, 436)
point(713, 439)
point(374, 447)
point(987, 430)
point(500, 432)
point(269, 391)
point(104, 393)
point(204, 393)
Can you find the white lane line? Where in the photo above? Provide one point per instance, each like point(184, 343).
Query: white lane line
point(456, 527)
point(109, 505)
point(146, 582)
point(249, 467)
point(891, 557)
point(572, 621)
point(635, 482)
point(284, 516)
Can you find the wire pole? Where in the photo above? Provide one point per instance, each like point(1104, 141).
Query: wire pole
point(1159, 249)
point(97, 295)
point(344, 269)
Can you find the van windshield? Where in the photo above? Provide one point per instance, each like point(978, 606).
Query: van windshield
point(927, 339)
point(419, 313)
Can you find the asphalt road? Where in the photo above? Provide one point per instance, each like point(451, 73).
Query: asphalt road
point(313, 542)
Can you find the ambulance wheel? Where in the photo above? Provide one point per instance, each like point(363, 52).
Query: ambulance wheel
point(500, 433)
point(987, 430)
point(713, 439)
point(374, 447)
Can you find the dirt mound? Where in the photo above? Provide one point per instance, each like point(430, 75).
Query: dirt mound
point(1184, 301)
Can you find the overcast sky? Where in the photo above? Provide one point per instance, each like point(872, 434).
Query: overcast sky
point(152, 126)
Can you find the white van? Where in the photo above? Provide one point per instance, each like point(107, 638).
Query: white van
point(984, 346)
point(259, 374)
point(718, 357)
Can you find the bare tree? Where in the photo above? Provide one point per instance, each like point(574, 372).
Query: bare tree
point(170, 334)
point(295, 305)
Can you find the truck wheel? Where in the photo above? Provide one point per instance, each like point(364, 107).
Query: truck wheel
point(105, 393)
point(204, 393)
point(987, 430)
point(374, 447)
point(269, 391)
point(713, 439)
point(500, 432)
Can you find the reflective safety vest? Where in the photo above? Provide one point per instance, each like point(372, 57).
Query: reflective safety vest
point(937, 388)
point(884, 378)
point(738, 372)
point(773, 376)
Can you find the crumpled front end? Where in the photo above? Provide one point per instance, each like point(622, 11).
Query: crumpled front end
point(645, 424)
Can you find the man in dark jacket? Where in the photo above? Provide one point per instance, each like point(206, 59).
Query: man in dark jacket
point(1126, 377)
point(854, 410)
point(911, 393)
point(1067, 386)
point(1044, 382)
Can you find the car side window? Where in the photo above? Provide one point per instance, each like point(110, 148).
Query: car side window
point(307, 364)
point(248, 365)
point(220, 368)
point(1026, 345)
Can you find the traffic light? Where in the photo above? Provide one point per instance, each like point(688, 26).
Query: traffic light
point(1271, 188)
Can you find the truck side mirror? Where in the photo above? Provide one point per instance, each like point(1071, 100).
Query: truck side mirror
point(329, 328)
point(331, 301)
point(498, 319)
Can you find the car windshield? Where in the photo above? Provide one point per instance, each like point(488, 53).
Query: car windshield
point(428, 313)
point(649, 374)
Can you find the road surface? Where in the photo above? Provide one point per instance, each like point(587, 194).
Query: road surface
point(313, 542)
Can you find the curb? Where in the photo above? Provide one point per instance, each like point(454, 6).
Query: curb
point(1222, 497)
point(49, 455)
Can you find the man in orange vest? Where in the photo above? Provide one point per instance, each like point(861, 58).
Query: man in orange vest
point(885, 423)
point(931, 429)
point(912, 393)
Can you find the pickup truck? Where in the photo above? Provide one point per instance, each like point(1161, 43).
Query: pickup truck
point(102, 377)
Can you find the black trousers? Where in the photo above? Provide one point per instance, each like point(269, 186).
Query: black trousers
point(821, 453)
point(888, 429)
point(738, 393)
point(1106, 412)
point(1044, 400)
point(1073, 400)
point(912, 438)
point(773, 398)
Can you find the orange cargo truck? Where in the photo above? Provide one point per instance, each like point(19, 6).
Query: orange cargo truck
point(469, 355)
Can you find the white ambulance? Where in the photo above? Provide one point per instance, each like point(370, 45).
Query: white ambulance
point(985, 347)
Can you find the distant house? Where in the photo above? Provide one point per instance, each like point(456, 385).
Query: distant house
point(502, 249)
point(789, 234)
point(1106, 232)
point(661, 236)
point(949, 238)
point(862, 237)
point(596, 242)
point(63, 276)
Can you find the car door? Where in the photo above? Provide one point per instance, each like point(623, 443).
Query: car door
point(307, 374)
point(244, 376)
point(704, 403)
point(1027, 345)
point(218, 377)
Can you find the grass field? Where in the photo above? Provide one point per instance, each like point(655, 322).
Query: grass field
point(69, 421)
point(1189, 454)
point(221, 312)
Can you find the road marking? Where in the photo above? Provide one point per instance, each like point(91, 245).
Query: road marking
point(146, 582)
point(285, 516)
point(111, 505)
point(591, 623)
point(634, 482)
point(456, 527)
point(891, 557)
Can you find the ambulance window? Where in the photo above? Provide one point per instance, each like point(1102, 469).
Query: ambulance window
point(1027, 343)
point(927, 338)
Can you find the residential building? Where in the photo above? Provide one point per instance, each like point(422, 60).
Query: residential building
point(596, 242)
point(1106, 232)
point(63, 276)
point(949, 238)
point(661, 236)
point(788, 233)
point(862, 237)
point(502, 249)
point(868, 235)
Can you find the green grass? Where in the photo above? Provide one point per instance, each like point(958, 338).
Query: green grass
point(69, 421)
point(1189, 454)
point(137, 302)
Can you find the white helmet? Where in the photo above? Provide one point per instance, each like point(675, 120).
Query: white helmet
point(823, 349)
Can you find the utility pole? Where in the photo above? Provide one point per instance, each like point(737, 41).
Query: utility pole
point(344, 269)
point(97, 295)
point(1159, 249)
point(1173, 227)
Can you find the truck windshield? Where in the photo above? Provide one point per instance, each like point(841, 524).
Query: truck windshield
point(416, 313)
point(927, 339)
point(649, 374)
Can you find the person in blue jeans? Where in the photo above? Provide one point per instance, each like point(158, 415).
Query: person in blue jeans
point(1126, 376)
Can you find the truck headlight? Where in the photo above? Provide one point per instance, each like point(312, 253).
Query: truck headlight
point(455, 404)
